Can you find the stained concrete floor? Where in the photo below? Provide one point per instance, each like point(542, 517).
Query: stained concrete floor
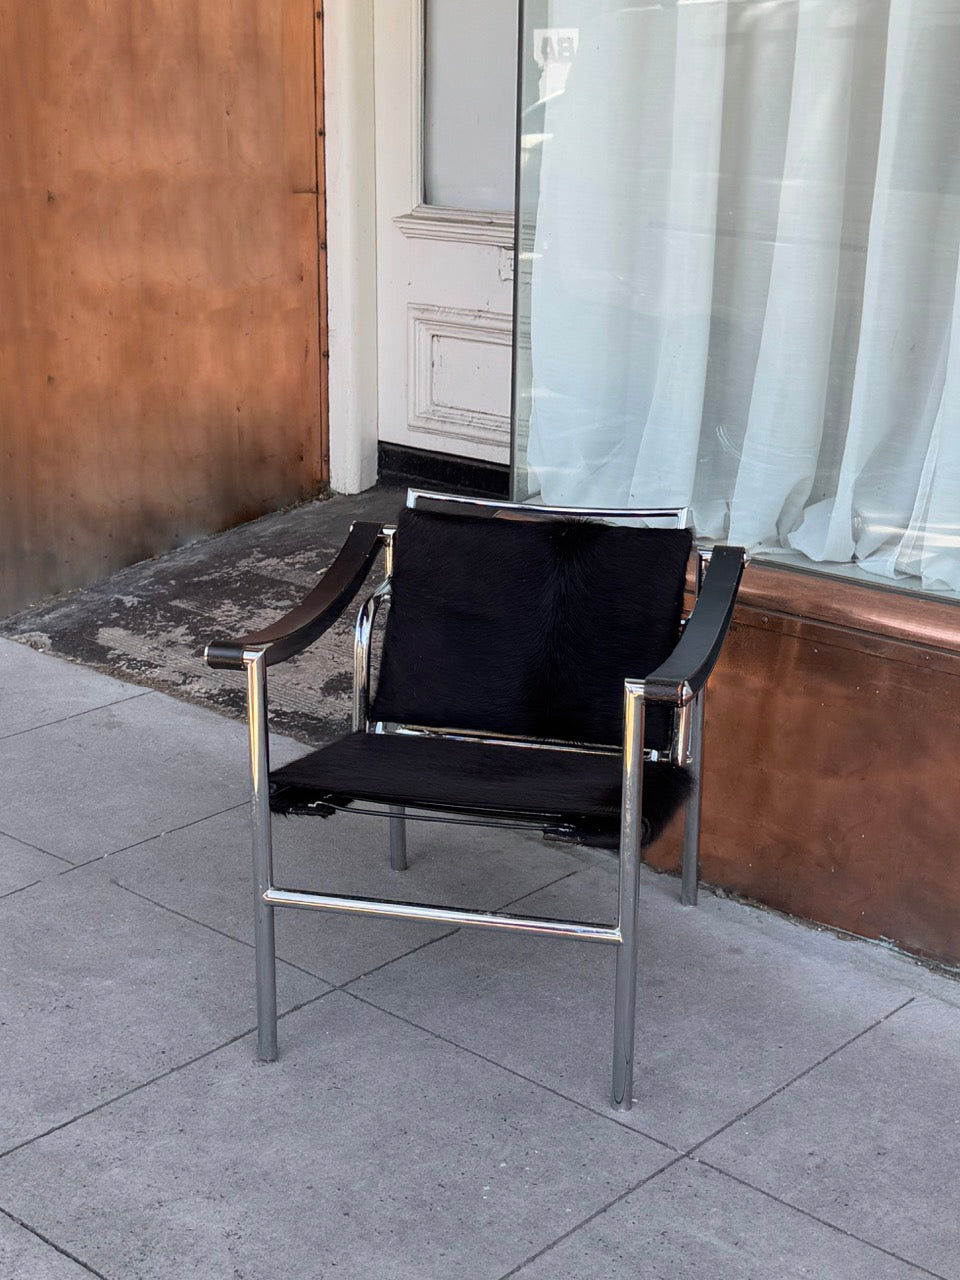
point(439, 1108)
point(149, 623)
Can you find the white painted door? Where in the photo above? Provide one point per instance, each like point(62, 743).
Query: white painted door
point(445, 80)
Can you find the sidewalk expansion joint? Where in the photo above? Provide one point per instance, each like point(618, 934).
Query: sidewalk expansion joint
point(30, 845)
point(609, 1116)
point(824, 1222)
point(212, 928)
point(53, 1244)
point(157, 835)
point(799, 1076)
point(385, 964)
point(447, 933)
point(48, 724)
point(290, 964)
point(145, 1084)
point(567, 875)
point(591, 1217)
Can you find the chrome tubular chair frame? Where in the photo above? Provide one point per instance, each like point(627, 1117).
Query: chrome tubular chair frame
point(678, 682)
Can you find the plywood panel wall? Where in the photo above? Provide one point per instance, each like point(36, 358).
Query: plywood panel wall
point(160, 269)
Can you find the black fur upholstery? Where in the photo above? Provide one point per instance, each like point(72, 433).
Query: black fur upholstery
point(528, 627)
point(549, 786)
point(516, 627)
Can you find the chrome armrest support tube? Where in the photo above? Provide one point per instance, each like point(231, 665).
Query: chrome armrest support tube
point(628, 898)
point(388, 535)
point(681, 752)
point(362, 633)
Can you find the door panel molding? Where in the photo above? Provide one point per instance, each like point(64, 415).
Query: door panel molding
point(456, 365)
point(428, 222)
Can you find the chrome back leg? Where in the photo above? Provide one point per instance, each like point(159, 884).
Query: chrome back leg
point(398, 837)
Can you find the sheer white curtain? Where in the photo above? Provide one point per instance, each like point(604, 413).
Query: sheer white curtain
point(745, 280)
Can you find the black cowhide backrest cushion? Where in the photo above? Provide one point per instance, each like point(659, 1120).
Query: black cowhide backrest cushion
point(528, 627)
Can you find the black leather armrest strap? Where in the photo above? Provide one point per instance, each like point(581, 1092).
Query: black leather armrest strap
point(297, 629)
point(699, 645)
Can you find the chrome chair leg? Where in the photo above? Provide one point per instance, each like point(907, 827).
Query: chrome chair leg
point(398, 837)
point(631, 832)
point(263, 927)
point(690, 853)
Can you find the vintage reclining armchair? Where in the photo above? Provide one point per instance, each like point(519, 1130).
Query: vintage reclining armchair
point(536, 671)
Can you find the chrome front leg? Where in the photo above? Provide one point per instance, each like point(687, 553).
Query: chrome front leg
point(631, 834)
point(263, 930)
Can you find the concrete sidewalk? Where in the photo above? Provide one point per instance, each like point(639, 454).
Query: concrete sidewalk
point(440, 1105)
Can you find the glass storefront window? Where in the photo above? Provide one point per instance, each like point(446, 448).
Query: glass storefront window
point(469, 104)
point(739, 226)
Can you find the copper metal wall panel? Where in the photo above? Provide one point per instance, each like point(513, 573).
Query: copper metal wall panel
point(830, 783)
point(159, 331)
point(866, 609)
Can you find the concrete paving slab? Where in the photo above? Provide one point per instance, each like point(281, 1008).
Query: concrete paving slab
point(730, 1008)
point(869, 1140)
point(84, 787)
point(100, 991)
point(691, 1223)
point(23, 1256)
point(204, 871)
point(916, 976)
point(21, 865)
point(371, 1149)
point(36, 689)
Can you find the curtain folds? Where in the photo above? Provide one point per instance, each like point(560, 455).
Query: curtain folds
point(744, 292)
